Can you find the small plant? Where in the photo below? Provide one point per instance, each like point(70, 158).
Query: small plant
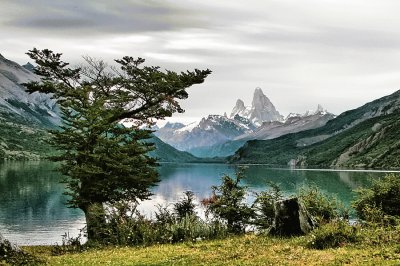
point(322, 207)
point(228, 203)
point(334, 234)
point(382, 197)
point(186, 206)
point(376, 217)
point(264, 206)
point(69, 245)
point(163, 215)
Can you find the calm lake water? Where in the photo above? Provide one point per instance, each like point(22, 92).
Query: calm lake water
point(32, 209)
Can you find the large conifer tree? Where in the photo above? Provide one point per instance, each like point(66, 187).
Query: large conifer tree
point(105, 162)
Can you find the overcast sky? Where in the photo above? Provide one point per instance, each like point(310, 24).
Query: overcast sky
point(338, 53)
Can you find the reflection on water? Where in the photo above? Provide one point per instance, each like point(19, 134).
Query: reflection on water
point(32, 209)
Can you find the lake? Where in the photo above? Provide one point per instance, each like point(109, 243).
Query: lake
point(32, 209)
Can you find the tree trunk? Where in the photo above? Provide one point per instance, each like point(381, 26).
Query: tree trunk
point(95, 222)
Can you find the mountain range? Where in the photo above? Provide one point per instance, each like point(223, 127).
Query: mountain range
point(365, 137)
point(220, 135)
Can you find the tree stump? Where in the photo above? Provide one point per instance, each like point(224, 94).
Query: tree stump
point(291, 218)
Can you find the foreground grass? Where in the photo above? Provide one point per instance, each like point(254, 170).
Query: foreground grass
point(241, 250)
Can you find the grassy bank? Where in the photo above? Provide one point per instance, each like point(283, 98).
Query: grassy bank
point(241, 250)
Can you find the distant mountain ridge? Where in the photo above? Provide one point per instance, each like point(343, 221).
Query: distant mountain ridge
point(211, 130)
point(363, 137)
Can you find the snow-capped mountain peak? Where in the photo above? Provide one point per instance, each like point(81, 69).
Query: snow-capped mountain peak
point(261, 110)
point(240, 109)
point(320, 111)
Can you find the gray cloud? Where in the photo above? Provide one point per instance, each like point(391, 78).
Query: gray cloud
point(301, 52)
point(98, 16)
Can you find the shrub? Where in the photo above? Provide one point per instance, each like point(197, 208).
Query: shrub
point(263, 206)
point(322, 207)
point(13, 255)
point(383, 197)
point(192, 228)
point(186, 206)
point(69, 245)
point(333, 234)
point(228, 203)
point(163, 215)
point(128, 227)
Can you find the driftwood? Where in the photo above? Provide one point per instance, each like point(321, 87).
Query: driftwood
point(291, 218)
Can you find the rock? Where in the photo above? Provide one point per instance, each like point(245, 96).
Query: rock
point(291, 218)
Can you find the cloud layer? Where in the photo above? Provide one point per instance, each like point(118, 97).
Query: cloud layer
point(338, 53)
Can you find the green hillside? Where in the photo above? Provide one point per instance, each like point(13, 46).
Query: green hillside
point(24, 140)
point(363, 137)
point(166, 153)
point(21, 139)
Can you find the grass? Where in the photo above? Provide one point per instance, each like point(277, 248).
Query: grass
point(240, 250)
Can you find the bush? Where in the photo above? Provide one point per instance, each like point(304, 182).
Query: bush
point(228, 203)
point(69, 245)
point(263, 206)
point(128, 227)
point(13, 255)
point(334, 234)
point(185, 207)
point(322, 207)
point(383, 197)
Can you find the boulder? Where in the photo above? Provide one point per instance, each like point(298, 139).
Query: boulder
point(291, 218)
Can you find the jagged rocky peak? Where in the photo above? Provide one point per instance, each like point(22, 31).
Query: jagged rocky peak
point(262, 109)
point(239, 109)
point(29, 67)
point(320, 111)
point(175, 125)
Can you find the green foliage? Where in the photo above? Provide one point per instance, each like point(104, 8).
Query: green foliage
point(228, 203)
point(21, 139)
point(164, 215)
point(375, 234)
point(105, 162)
point(381, 202)
point(186, 206)
point(13, 255)
point(263, 206)
point(127, 226)
point(334, 234)
point(69, 245)
point(322, 207)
